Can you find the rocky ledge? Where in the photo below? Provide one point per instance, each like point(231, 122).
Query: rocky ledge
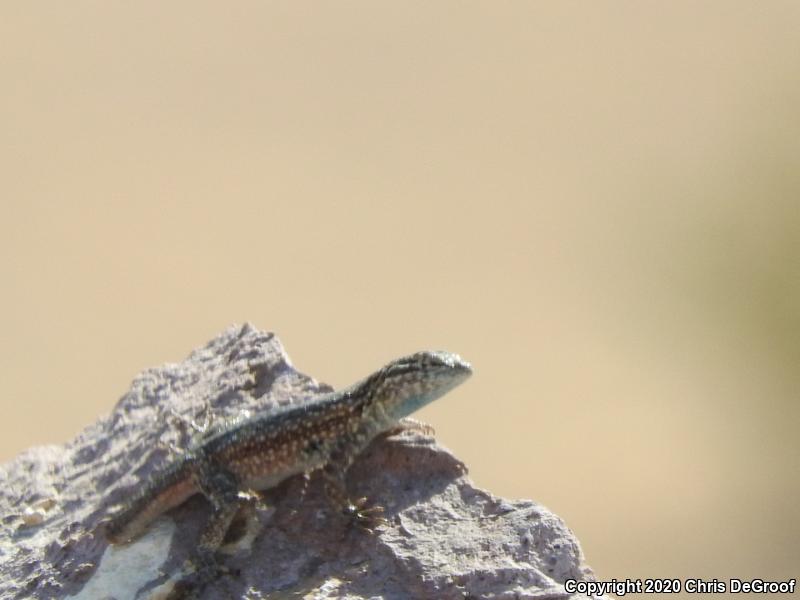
point(445, 538)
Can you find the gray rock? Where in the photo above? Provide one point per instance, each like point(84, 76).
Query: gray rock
point(446, 538)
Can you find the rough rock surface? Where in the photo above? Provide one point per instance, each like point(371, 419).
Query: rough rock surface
point(446, 538)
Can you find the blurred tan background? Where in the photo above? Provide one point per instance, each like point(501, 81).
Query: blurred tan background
point(598, 204)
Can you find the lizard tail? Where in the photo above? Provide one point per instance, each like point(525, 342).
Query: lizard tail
point(171, 488)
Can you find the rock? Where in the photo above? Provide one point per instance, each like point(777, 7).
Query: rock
point(445, 538)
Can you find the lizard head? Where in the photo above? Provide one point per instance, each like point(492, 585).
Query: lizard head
point(409, 383)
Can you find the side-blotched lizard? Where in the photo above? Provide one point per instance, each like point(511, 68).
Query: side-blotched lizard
point(324, 434)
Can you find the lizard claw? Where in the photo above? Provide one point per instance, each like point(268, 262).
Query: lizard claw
point(368, 518)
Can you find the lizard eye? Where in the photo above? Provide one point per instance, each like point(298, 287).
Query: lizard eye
point(447, 360)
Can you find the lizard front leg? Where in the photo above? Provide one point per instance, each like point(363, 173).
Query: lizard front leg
point(409, 424)
point(334, 473)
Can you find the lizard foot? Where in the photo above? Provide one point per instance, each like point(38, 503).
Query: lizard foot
point(198, 573)
point(368, 518)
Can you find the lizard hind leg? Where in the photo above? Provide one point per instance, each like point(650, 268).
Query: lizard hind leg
point(185, 423)
point(202, 568)
point(221, 488)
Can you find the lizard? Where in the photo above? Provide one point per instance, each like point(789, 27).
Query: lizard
point(324, 434)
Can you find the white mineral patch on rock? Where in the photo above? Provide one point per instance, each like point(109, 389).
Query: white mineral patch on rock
point(124, 570)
